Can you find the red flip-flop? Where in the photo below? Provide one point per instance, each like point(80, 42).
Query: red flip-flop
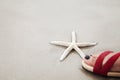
point(100, 69)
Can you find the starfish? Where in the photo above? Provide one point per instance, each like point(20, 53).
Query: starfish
point(72, 45)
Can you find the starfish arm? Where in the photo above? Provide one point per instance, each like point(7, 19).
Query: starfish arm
point(66, 52)
point(85, 44)
point(73, 37)
point(79, 51)
point(60, 43)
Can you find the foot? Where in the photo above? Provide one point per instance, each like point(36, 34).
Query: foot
point(91, 61)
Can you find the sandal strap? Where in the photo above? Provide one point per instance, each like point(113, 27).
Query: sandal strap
point(109, 64)
point(99, 61)
point(104, 69)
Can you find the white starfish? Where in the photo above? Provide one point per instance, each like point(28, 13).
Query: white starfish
point(72, 45)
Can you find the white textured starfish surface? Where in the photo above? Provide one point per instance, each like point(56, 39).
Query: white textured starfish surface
point(72, 45)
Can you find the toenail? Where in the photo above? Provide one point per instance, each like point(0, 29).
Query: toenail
point(87, 57)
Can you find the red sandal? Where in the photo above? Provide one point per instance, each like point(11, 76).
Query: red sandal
point(100, 69)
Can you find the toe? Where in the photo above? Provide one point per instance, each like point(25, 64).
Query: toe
point(91, 60)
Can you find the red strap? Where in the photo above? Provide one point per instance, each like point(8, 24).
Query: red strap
point(98, 63)
point(107, 66)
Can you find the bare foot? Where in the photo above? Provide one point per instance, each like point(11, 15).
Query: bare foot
point(116, 66)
